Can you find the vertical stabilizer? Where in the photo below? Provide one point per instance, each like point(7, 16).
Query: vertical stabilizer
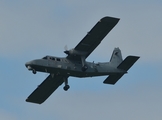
point(116, 57)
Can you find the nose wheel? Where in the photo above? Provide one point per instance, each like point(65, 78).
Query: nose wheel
point(34, 71)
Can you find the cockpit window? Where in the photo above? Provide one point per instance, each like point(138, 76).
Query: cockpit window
point(44, 57)
point(51, 58)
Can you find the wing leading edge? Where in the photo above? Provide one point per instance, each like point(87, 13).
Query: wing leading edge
point(95, 36)
point(45, 89)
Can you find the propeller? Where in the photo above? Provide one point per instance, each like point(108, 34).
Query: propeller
point(66, 49)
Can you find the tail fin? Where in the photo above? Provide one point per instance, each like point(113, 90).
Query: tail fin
point(116, 57)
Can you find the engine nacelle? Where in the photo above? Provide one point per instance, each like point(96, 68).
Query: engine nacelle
point(74, 52)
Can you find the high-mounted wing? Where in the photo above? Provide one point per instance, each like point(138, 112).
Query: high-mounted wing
point(45, 89)
point(95, 36)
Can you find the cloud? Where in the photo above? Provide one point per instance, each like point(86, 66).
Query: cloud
point(4, 115)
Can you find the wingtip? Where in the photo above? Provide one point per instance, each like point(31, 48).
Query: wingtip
point(107, 18)
point(137, 57)
point(28, 100)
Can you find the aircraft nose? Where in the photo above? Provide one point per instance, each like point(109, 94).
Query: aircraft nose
point(28, 65)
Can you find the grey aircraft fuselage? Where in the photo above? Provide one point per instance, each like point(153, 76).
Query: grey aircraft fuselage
point(65, 67)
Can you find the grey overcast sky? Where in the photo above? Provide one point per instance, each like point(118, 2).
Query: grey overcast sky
point(31, 29)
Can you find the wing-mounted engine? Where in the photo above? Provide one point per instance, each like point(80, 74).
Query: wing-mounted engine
point(74, 52)
point(78, 55)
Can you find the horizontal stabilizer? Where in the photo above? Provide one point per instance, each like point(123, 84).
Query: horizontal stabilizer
point(125, 65)
point(112, 79)
point(128, 62)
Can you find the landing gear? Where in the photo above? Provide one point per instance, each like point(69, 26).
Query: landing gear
point(34, 71)
point(66, 87)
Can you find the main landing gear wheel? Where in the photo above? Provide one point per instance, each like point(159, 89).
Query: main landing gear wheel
point(84, 68)
point(34, 71)
point(66, 87)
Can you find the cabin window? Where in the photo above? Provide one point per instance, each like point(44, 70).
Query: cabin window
point(58, 59)
point(52, 58)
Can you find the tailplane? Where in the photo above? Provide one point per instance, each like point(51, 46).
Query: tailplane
point(128, 63)
point(124, 65)
point(116, 57)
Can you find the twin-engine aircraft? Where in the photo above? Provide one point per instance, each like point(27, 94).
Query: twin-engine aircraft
point(75, 64)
